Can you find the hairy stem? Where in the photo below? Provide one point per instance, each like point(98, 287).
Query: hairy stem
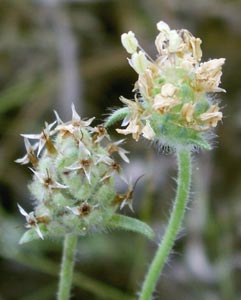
point(175, 221)
point(67, 266)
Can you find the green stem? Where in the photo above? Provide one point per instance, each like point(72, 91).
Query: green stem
point(67, 266)
point(183, 184)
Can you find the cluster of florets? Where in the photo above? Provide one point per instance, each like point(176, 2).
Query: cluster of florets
point(73, 167)
point(172, 101)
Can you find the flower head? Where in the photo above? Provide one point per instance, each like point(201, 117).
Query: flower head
point(172, 101)
point(74, 185)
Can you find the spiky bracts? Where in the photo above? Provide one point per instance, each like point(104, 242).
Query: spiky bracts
point(73, 183)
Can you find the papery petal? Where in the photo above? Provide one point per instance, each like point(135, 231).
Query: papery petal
point(22, 211)
point(148, 132)
point(59, 121)
point(23, 160)
point(32, 136)
point(87, 174)
point(162, 26)
point(58, 185)
point(75, 115)
point(74, 210)
point(122, 154)
point(39, 233)
point(105, 159)
point(84, 148)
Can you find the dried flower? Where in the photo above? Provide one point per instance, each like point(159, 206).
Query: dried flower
point(32, 221)
point(172, 102)
point(208, 75)
point(211, 116)
point(188, 111)
point(30, 156)
point(147, 131)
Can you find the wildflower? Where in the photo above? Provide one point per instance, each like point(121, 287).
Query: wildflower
point(84, 164)
point(31, 221)
point(47, 181)
point(114, 147)
point(30, 157)
point(74, 125)
point(211, 116)
point(146, 82)
point(192, 46)
point(172, 102)
point(83, 210)
point(124, 199)
point(43, 137)
point(100, 133)
point(127, 197)
point(134, 127)
point(113, 168)
point(208, 75)
point(73, 187)
point(163, 103)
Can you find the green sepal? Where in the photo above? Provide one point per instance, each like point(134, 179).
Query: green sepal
point(201, 143)
point(31, 235)
point(127, 223)
point(168, 132)
point(28, 236)
point(116, 116)
point(186, 93)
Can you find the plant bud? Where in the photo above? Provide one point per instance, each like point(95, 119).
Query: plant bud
point(129, 42)
point(139, 62)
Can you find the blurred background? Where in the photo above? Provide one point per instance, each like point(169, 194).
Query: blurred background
point(54, 53)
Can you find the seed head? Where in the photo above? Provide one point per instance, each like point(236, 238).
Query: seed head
point(74, 173)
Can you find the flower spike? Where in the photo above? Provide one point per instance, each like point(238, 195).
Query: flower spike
point(172, 103)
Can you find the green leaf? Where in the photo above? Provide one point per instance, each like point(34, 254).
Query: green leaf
point(123, 222)
point(116, 116)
